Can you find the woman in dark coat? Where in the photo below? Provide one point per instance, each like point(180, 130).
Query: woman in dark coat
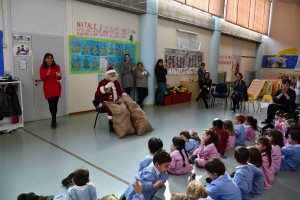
point(239, 87)
point(161, 80)
point(205, 85)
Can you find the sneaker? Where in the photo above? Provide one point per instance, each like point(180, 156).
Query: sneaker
point(28, 196)
point(66, 181)
point(192, 177)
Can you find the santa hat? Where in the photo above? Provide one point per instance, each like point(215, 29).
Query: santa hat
point(110, 70)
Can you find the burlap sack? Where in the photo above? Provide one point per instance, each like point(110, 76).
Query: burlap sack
point(121, 119)
point(138, 117)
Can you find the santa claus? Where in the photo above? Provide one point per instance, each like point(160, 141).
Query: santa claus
point(109, 89)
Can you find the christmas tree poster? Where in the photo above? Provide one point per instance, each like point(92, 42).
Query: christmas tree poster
point(94, 55)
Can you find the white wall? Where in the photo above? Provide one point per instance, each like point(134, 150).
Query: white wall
point(167, 38)
point(82, 87)
point(284, 33)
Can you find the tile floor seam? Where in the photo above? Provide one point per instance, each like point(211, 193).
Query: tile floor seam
point(76, 156)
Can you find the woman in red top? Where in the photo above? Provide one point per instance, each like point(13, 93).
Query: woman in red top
point(51, 76)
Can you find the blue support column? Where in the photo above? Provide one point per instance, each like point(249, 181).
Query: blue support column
point(148, 39)
point(214, 50)
point(258, 59)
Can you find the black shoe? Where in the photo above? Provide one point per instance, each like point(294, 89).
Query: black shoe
point(266, 121)
point(53, 123)
point(192, 177)
point(208, 180)
point(197, 99)
point(28, 196)
point(68, 180)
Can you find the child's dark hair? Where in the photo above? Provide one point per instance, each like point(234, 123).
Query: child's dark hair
point(228, 125)
point(254, 156)
point(240, 118)
point(81, 176)
point(277, 137)
point(154, 144)
point(279, 113)
point(291, 122)
point(215, 165)
point(241, 154)
point(179, 143)
point(186, 134)
point(214, 138)
point(252, 122)
point(289, 129)
point(161, 156)
point(218, 124)
point(287, 116)
point(266, 142)
point(295, 135)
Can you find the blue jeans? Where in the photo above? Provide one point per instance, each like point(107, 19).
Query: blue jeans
point(161, 93)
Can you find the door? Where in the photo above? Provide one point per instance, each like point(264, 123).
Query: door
point(40, 46)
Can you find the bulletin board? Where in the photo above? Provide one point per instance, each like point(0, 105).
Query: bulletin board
point(1, 55)
point(94, 55)
point(183, 61)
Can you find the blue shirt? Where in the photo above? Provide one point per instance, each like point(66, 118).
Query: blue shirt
point(191, 145)
point(258, 181)
point(224, 188)
point(87, 192)
point(240, 135)
point(148, 176)
point(145, 162)
point(290, 158)
point(243, 177)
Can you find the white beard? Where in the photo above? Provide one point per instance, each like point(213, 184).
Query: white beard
point(112, 78)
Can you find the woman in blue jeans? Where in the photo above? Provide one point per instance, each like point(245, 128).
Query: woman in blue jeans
point(160, 73)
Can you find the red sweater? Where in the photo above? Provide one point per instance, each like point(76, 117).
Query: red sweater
point(223, 137)
point(52, 87)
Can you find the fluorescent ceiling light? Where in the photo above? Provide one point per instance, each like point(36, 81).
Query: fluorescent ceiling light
point(188, 32)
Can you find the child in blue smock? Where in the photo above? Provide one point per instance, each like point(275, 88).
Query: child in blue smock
point(290, 160)
point(151, 177)
point(258, 177)
point(154, 144)
point(239, 129)
point(222, 186)
point(190, 144)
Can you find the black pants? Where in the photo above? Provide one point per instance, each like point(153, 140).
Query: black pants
point(204, 96)
point(53, 106)
point(128, 90)
point(142, 94)
point(236, 101)
point(272, 108)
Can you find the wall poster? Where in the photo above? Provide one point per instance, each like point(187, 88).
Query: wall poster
point(183, 61)
point(94, 55)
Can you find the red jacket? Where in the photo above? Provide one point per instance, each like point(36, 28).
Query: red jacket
point(52, 87)
point(110, 95)
point(223, 137)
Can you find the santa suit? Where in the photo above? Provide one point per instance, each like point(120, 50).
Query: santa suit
point(109, 93)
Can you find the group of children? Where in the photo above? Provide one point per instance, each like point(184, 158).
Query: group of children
point(276, 149)
point(257, 165)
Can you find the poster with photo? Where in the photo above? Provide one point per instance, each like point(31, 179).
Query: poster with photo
point(94, 55)
point(183, 61)
point(21, 50)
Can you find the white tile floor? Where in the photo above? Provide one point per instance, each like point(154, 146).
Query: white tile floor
point(37, 158)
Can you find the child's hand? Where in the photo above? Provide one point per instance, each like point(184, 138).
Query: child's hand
point(137, 186)
point(158, 184)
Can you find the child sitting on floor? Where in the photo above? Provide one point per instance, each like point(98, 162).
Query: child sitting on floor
point(263, 144)
point(151, 176)
point(207, 149)
point(276, 140)
point(217, 126)
point(239, 130)
point(250, 126)
point(154, 144)
point(180, 163)
point(228, 126)
point(290, 160)
point(196, 191)
point(258, 178)
point(222, 186)
point(190, 143)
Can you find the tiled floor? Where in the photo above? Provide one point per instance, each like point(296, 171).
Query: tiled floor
point(37, 158)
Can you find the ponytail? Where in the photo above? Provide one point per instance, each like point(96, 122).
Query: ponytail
point(180, 145)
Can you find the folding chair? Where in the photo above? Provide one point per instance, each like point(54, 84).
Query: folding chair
point(99, 109)
point(221, 92)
